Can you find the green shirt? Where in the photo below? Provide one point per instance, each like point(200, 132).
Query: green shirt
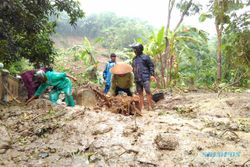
point(123, 82)
point(56, 79)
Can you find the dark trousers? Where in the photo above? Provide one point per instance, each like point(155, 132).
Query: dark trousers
point(117, 90)
point(106, 89)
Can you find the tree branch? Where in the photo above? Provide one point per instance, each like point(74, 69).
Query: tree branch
point(183, 14)
point(170, 8)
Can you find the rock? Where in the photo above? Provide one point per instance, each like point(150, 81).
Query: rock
point(199, 148)
point(43, 154)
point(189, 152)
point(166, 142)
point(129, 130)
point(229, 103)
point(85, 97)
point(234, 126)
point(102, 129)
point(5, 140)
point(40, 104)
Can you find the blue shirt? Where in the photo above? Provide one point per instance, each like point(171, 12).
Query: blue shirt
point(107, 75)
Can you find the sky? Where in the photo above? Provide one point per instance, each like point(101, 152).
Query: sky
point(152, 11)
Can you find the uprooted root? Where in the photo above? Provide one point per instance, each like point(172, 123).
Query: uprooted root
point(125, 105)
point(119, 104)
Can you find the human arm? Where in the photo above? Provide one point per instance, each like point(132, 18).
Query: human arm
point(38, 92)
point(41, 89)
point(150, 66)
point(151, 69)
point(31, 99)
point(61, 75)
point(71, 77)
point(113, 85)
point(105, 72)
point(131, 80)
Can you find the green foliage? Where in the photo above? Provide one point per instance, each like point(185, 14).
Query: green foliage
point(114, 33)
point(192, 54)
point(194, 58)
point(25, 28)
point(194, 8)
point(83, 55)
point(222, 11)
point(20, 66)
point(156, 44)
point(204, 16)
point(237, 51)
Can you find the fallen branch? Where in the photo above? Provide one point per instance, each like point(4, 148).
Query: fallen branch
point(147, 163)
point(238, 138)
point(244, 164)
point(124, 152)
point(235, 82)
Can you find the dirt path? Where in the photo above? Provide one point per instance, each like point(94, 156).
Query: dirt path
point(181, 131)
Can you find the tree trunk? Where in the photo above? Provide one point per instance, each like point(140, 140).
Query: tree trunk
point(183, 14)
point(170, 69)
point(165, 56)
point(219, 52)
point(162, 71)
point(168, 57)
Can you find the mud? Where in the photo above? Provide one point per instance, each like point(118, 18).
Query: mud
point(178, 132)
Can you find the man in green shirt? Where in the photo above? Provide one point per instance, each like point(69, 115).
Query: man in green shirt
point(60, 83)
point(122, 79)
point(122, 82)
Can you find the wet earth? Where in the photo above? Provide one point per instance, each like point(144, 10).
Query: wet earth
point(189, 129)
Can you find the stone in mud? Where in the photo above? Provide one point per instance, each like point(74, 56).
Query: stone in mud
point(40, 104)
point(5, 140)
point(101, 129)
point(166, 142)
point(234, 126)
point(43, 154)
point(85, 97)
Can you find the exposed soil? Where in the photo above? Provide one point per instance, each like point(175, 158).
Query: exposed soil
point(176, 133)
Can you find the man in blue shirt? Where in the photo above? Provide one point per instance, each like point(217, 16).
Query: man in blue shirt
point(107, 74)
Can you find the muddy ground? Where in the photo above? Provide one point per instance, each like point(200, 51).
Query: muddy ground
point(179, 132)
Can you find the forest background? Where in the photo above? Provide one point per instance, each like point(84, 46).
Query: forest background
point(59, 34)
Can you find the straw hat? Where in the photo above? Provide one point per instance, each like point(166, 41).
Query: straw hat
point(121, 68)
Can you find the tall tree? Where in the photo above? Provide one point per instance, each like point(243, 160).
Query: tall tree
point(221, 11)
point(25, 28)
point(236, 49)
point(186, 8)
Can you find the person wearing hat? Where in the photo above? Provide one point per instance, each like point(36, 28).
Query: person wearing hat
point(143, 69)
point(107, 74)
point(60, 83)
point(122, 79)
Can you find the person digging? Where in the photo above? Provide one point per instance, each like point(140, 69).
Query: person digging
point(143, 69)
point(60, 83)
point(30, 82)
point(122, 79)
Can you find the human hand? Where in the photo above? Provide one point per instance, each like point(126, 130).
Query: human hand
point(152, 78)
point(28, 101)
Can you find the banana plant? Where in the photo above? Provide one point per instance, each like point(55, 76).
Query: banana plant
point(180, 42)
point(86, 52)
point(156, 47)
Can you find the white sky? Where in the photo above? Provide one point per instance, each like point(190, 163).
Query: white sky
point(153, 11)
